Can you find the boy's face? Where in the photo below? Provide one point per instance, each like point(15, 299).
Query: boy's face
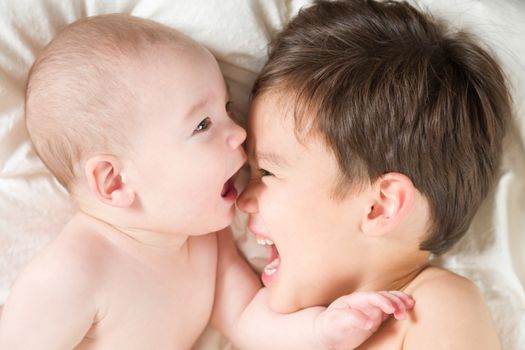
point(186, 148)
point(290, 201)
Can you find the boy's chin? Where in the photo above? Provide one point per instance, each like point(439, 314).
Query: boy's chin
point(286, 299)
point(284, 302)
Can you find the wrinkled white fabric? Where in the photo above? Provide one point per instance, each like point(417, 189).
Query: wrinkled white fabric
point(33, 207)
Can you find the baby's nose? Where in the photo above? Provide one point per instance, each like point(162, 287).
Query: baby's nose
point(236, 137)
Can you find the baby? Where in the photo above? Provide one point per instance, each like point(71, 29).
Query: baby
point(133, 120)
point(374, 135)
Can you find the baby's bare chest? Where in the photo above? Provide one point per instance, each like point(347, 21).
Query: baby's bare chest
point(166, 304)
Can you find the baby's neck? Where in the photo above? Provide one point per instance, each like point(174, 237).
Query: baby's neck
point(136, 236)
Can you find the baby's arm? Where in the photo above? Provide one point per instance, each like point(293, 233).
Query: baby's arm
point(50, 306)
point(241, 312)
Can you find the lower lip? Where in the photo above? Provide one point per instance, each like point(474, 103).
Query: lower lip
point(267, 280)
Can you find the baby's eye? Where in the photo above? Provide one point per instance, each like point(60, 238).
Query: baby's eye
point(203, 125)
point(264, 172)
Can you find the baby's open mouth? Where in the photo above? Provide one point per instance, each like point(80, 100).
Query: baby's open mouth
point(229, 192)
point(274, 259)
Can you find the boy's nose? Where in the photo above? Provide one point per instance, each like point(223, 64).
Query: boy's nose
point(236, 137)
point(247, 201)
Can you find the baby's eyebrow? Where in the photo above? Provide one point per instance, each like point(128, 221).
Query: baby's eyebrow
point(195, 107)
point(272, 158)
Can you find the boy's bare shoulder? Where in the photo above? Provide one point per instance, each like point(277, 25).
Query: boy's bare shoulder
point(450, 313)
point(436, 281)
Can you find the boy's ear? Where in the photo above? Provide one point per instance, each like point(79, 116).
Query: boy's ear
point(106, 181)
point(393, 196)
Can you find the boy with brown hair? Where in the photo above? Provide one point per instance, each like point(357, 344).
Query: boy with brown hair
point(133, 118)
point(374, 135)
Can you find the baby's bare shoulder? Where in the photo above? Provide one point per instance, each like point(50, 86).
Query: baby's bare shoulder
point(75, 257)
point(450, 313)
point(60, 286)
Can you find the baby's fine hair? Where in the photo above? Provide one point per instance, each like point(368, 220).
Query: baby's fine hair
point(78, 99)
point(391, 89)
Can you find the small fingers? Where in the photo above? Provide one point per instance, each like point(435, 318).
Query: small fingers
point(400, 301)
point(407, 300)
point(387, 302)
point(379, 300)
point(359, 319)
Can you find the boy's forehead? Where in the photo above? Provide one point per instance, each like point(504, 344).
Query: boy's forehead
point(272, 119)
point(269, 157)
point(272, 135)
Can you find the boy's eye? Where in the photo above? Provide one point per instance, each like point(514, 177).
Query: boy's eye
point(203, 125)
point(264, 172)
point(228, 106)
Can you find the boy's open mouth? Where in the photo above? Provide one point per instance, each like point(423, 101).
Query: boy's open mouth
point(274, 259)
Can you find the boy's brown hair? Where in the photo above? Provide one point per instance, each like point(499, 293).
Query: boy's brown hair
point(391, 89)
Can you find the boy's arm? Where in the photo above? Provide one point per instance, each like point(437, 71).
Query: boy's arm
point(451, 314)
point(49, 307)
point(241, 311)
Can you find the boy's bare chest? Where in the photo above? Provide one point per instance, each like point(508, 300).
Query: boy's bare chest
point(164, 304)
point(390, 336)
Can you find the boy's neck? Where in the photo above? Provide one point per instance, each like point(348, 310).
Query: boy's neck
point(398, 281)
point(389, 272)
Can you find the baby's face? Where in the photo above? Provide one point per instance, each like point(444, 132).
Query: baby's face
point(186, 149)
point(290, 202)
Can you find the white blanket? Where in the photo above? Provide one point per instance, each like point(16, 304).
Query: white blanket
point(33, 207)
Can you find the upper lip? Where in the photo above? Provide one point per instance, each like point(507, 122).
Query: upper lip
point(235, 174)
point(233, 177)
point(256, 232)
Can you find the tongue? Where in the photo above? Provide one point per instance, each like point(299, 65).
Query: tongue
point(274, 254)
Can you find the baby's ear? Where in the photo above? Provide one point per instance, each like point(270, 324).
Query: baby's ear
point(106, 181)
point(392, 197)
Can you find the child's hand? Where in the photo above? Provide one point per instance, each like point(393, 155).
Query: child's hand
point(351, 319)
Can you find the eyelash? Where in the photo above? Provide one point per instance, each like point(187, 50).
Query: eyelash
point(228, 106)
point(203, 125)
point(206, 122)
point(264, 172)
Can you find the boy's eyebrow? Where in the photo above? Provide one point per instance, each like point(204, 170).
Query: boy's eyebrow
point(272, 158)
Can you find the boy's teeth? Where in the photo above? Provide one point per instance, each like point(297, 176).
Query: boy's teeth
point(264, 241)
point(272, 267)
